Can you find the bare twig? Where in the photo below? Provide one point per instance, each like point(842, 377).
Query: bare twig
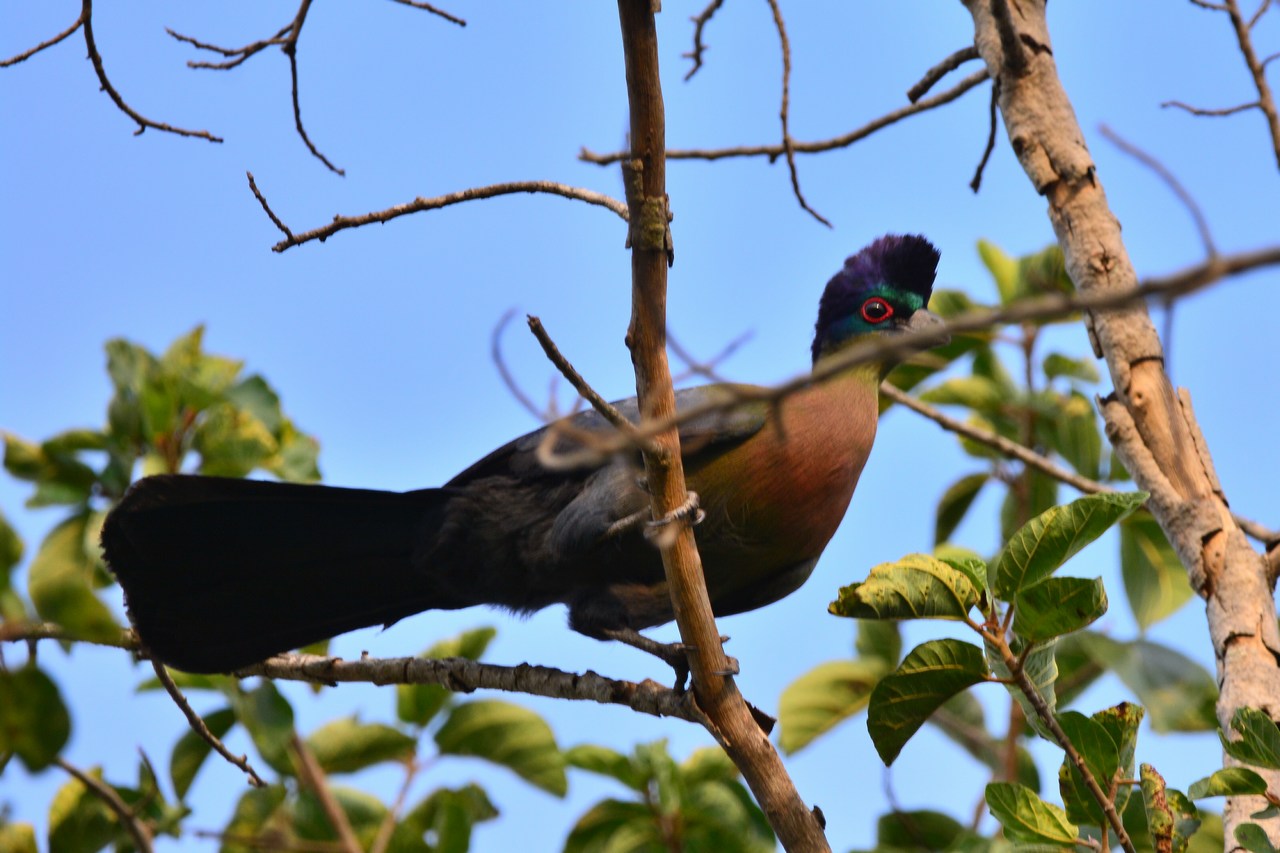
point(1170, 180)
point(427, 7)
point(699, 22)
point(942, 69)
point(1262, 9)
point(86, 20)
point(788, 144)
point(198, 725)
point(706, 369)
point(262, 200)
point(290, 48)
point(27, 54)
point(495, 352)
point(235, 55)
point(464, 676)
point(341, 223)
point(1201, 111)
point(136, 828)
point(1257, 69)
point(774, 151)
point(19, 631)
point(991, 137)
point(311, 775)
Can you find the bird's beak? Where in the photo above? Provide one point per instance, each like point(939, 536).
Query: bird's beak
point(925, 321)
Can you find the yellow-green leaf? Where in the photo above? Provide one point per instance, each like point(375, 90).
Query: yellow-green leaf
point(918, 586)
point(1027, 818)
point(823, 697)
point(60, 582)
point(509, 735)
point(1155, 581)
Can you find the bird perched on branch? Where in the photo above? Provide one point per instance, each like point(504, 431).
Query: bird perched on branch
point(221, 573)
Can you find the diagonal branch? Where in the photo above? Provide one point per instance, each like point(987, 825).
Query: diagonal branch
point(788, 144)
point(140, 833)
point(942, 69)
point(27, 54)
point(198, 725)
point(86, 19)
point(341, 222)
point(775, 151)
point(435, 10)
point(699, 23)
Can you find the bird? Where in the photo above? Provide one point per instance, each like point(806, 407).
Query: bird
point(221, 573)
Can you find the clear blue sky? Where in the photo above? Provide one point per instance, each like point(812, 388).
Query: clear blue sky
point(379, 338)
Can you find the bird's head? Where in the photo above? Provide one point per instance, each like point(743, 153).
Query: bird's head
point(883, 289)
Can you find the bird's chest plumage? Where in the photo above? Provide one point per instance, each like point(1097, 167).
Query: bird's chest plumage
point(780, 496)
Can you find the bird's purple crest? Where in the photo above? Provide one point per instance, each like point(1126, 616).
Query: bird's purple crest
point(901, 267)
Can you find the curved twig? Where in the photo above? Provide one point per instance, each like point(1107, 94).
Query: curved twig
point(699, 22)
point(942, 69)
point(788, 144)
point(198, 725)
point(27, 54)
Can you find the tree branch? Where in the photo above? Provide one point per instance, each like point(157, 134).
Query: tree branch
point(198, 726)
point(775, 151)
point(788, 144)
point(699, 22)
point(86, 19)
point(427, 7)
point(137, 830)
point(729, 717)
point(341, 223)
point(942, 69)
point(27, 54)
point(311, 775)
point(1151, 427)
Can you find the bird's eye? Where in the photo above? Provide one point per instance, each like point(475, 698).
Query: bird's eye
point(876, 310)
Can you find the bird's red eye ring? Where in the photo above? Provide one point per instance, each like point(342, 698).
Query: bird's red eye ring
point(876, 310)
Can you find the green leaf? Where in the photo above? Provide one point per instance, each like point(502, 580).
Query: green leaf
point(1177, 692)
point(1033, 493)
point(365, 813)
point(1040, 667)
point(268, 717)
point(1121, 722)
point(254, 395)
point(615, 826)
point(347, 745)
point(825, 696)
point(1056, 365)
point(34, 724)
point(1027, 818)
point(509, 735)
point(256, 808)
point(18, 838)
point(1155, 581)
point(1171, 817)
point(916, 587)
point(1003, 268)
point(418, 703)
point(920, 829)
point(1228, 782)
point(973, 392)
point(931, 674)
point(1077, 436)
point(1254, 838)
point(298, 458)
point(79, 821)
point(954, 503)
point(11, 605)
point(60, 583)
point(605, 762)
point(232, 442)
point(1058, 606)
point(191, 750)
point(1101, 756)
point(1259, 742)
point(879, 640)
point(1050, 539)
point(448, 815)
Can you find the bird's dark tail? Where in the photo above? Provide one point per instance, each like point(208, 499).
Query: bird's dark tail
point(220, 573)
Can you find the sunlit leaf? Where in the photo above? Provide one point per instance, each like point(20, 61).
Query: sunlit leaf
point(917, 586)
point(1056, 365)
point(365, 814)
point(825, 696)
point(1003, 268)
point(60, 582)
point(1171, 817)
point(1050, 539)
point(79, 821)
point(509, 735)
point(1077, 436)
point(1259, 741)
point(1101, 756)
point(447, 815)
point(231, 442)
point(18, 838)
point(1155, 581)
point(346, 745)
point(605, 762)
point(255, 809)
point(1058, 606)
point(931, 674)
point(1027, 818)
point(1228, 782)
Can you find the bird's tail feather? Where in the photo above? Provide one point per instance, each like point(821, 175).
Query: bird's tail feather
point(220, 573)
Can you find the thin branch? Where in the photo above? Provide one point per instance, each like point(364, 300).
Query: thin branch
point(788, 144)
point(140, 833)
point(198, 725)
point(290, 48)
point(495, 352)
point(1257, 16)
point(235, 55)
point(311, 775)
point(942, 69)
point(86, 19)
point(16, 631)
point(464, 676)
point(775, 151)
point(427, 7)
point(699, 21)
point(262, 200)
point(1047, 307)
point(991, 137)
point(600, 404)
point(341, 223)
point(27, 54)
point(706, 369)
point(1266, 100)
point(1170, 180)
point(1201, 111)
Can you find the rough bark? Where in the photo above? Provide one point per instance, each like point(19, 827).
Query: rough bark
point(1151, 425)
